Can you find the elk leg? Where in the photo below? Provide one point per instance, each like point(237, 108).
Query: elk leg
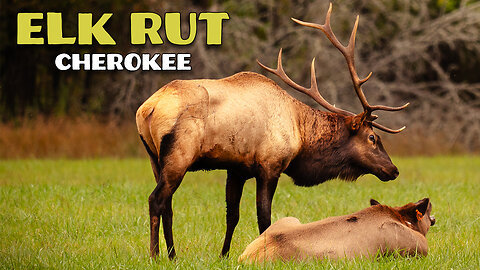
point(160, 205)
point(234, 190)
point(265, 190)
point(154, 211)
point(167, 216)
point(177, 155)
point(160, 202)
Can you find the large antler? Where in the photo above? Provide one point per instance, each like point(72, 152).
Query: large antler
point(311, 92)
point(349, 54)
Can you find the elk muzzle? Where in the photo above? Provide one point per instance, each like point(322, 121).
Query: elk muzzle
point(388, 174)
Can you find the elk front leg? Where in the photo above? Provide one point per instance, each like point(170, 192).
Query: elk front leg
point(234, 189)
point(265, 189)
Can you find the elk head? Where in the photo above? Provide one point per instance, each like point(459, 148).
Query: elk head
point(366, 148)
point(416, 215)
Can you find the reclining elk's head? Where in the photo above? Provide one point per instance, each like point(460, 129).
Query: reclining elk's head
point(417, 215)
point(366, 146)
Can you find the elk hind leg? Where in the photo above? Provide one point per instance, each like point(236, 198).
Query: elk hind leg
point(154, 207)
point(177, 155)
point(174, 166)
point(160, 202)
point(155, 213)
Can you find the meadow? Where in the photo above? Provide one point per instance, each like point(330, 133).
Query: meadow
point(93, 213)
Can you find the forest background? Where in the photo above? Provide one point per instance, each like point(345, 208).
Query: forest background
point(423, 52)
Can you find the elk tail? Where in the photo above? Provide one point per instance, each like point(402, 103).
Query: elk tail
point(152, 155)
point(156, 119)
point(143, 118)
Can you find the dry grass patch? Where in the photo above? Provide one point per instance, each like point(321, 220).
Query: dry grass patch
point(79, 137)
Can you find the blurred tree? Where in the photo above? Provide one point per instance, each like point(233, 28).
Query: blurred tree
point(425, 52)
point(30, 82)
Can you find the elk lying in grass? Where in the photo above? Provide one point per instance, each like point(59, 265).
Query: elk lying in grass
point(376, 230)
point(251, 127)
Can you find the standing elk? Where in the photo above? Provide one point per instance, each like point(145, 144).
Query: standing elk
point(251, 127)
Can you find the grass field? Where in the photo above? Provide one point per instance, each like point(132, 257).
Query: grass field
point(93, 214)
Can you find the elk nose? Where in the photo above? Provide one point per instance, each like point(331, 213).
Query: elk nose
point(432, 220)
point(395, 173)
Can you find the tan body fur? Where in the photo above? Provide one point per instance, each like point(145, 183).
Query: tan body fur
point(377, 230)
point(221, 122)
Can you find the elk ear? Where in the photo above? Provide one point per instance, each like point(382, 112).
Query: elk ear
point(374, 202)
point(355, 122)
point(422, 205)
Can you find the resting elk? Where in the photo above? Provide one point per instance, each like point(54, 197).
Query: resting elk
point(249, 126)
point(374, 231)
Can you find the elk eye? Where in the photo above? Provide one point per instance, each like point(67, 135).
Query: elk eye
point(371, 138)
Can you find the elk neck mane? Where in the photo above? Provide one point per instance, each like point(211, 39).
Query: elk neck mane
point(324, 154)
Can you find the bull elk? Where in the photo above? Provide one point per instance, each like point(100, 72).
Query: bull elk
point(249, 126)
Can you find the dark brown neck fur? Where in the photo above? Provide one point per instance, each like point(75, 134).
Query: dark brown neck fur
point(325, 153)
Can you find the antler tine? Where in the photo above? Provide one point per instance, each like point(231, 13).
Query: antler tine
point(349, 54)
point(388, 108)
point(347, 51)
point(351, 42)
point(311, 92)
point(387, 129)
point(281, 73)
point(350, 58)
point(356, 80)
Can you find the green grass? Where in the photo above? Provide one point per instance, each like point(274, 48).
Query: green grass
point(94, 214)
